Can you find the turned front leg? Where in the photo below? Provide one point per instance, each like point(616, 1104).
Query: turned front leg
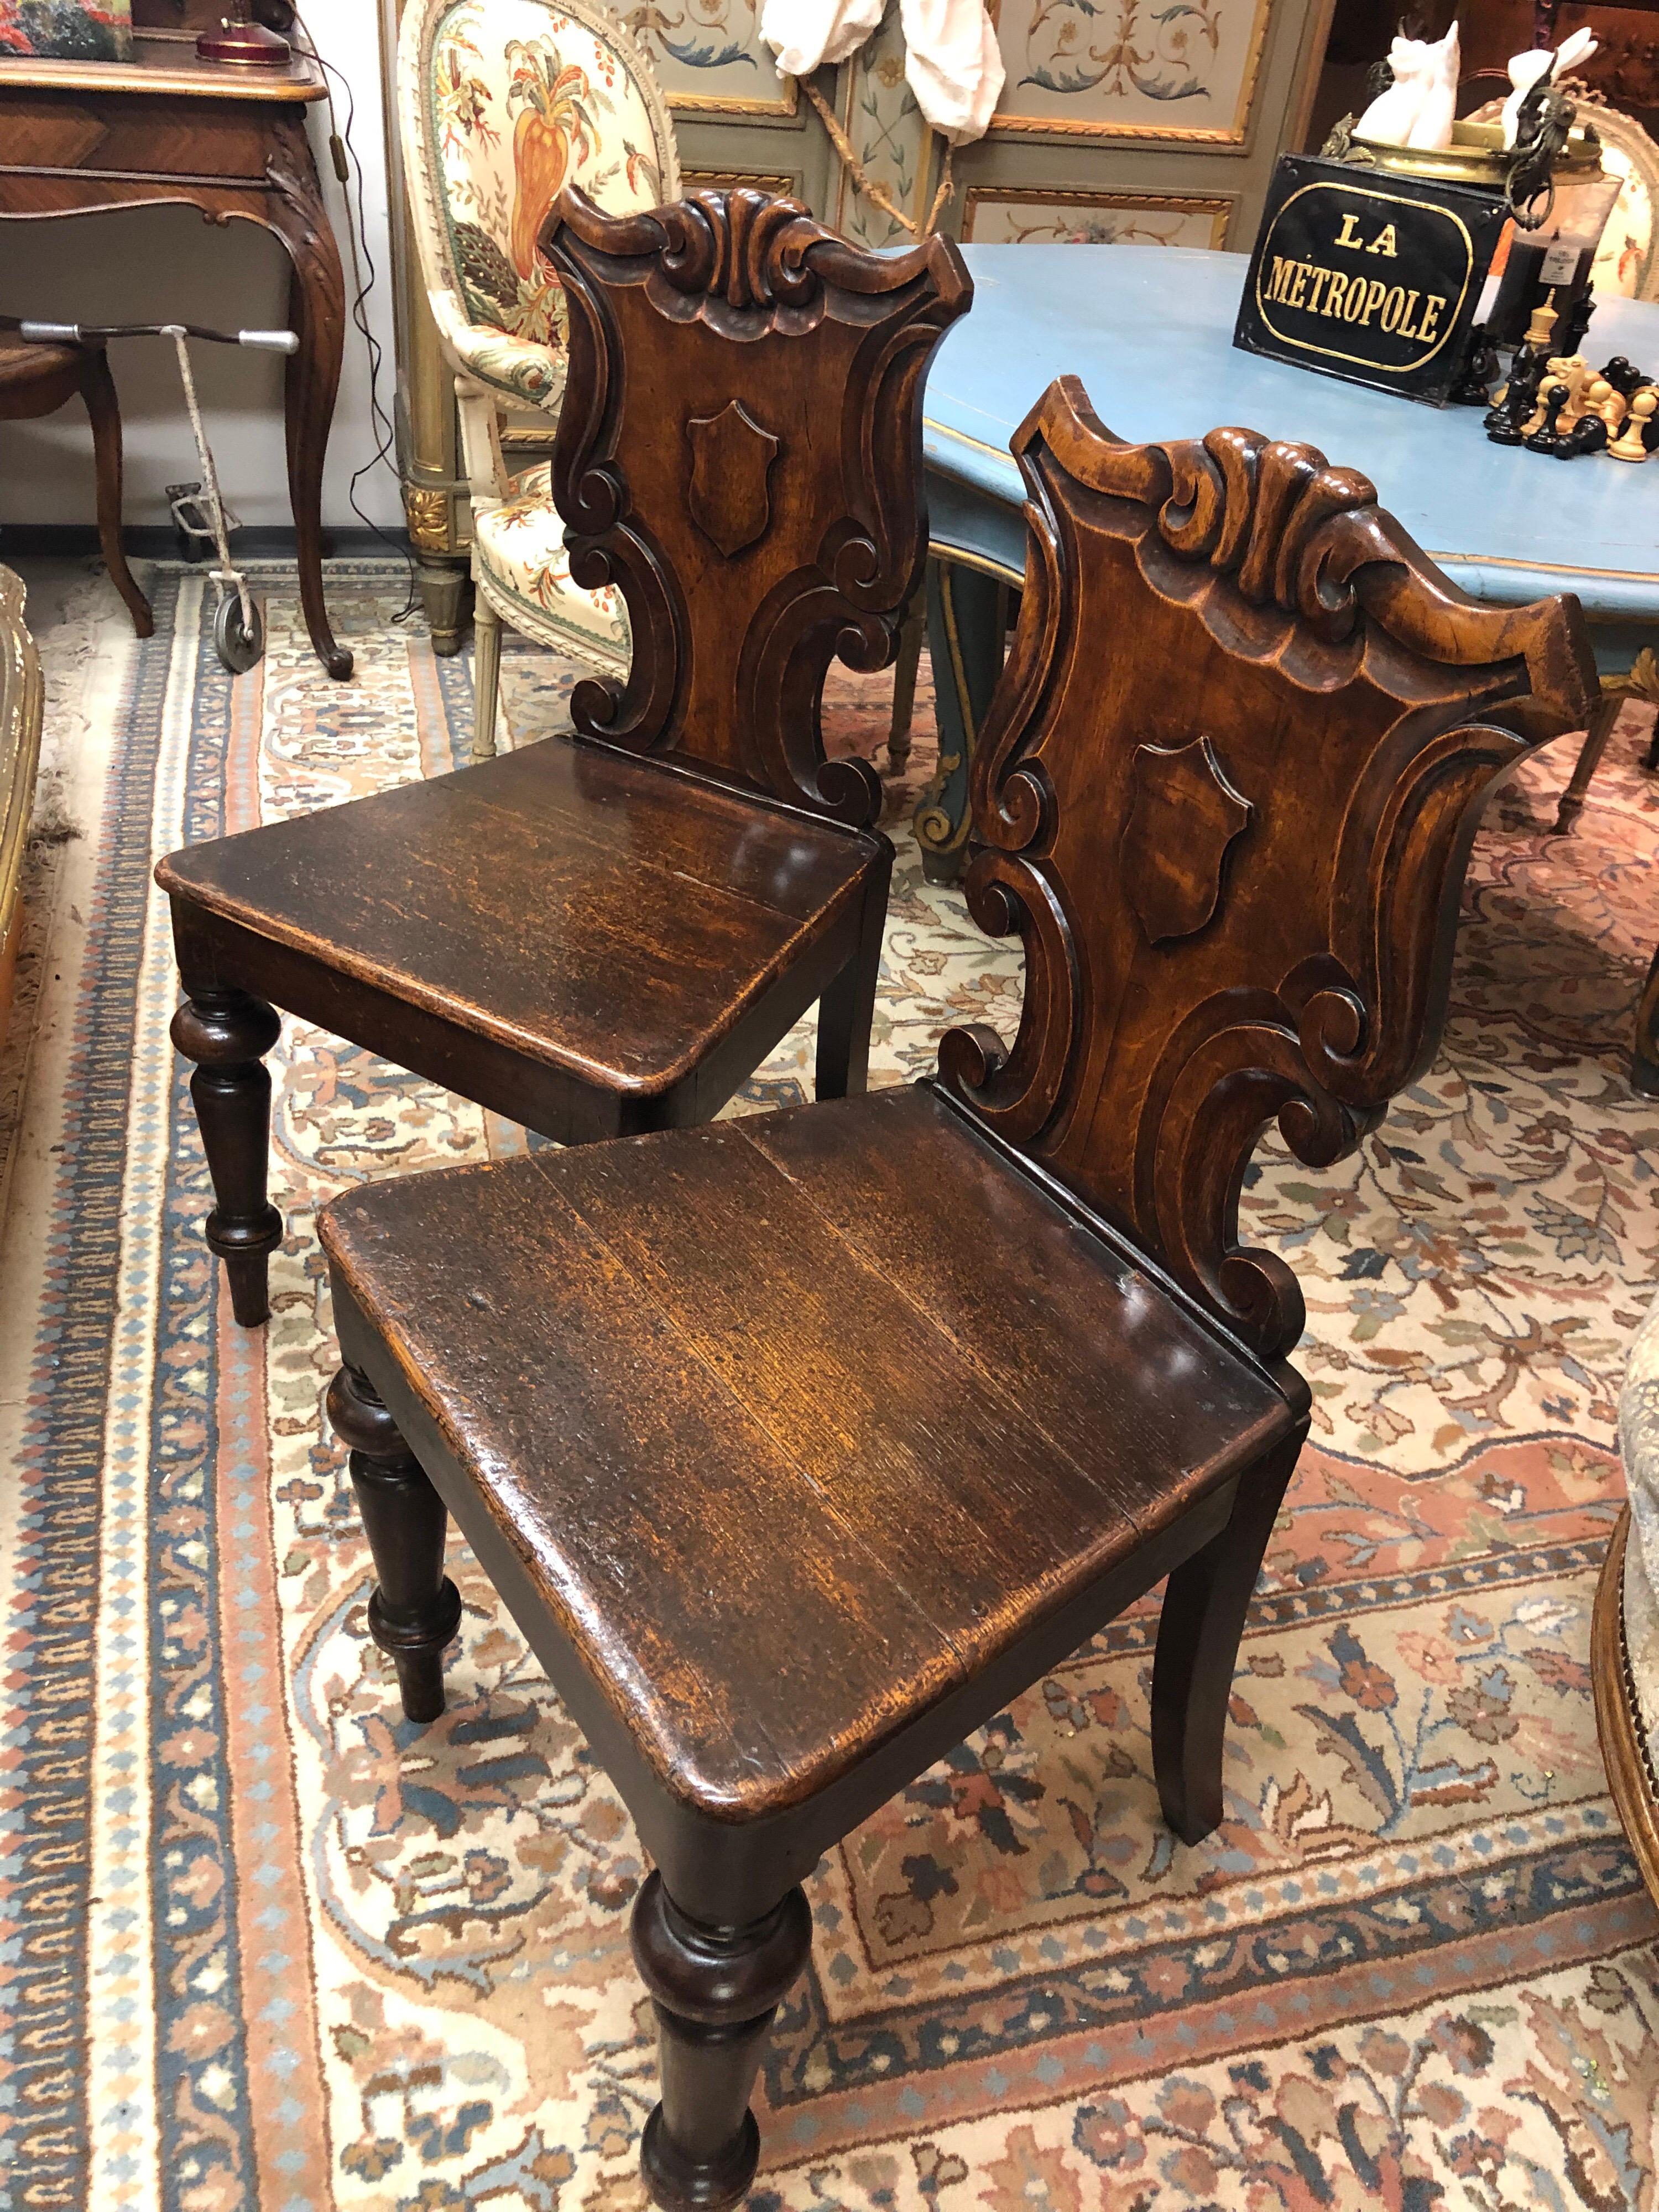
point(715, 1991)
point(416, 1609)
point(227, 1033)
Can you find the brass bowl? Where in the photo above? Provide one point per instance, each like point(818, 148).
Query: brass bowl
point(1477, 156)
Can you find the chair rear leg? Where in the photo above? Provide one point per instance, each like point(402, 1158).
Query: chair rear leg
point(847, 1007)
point(1205, 1603)
point(227, 1033)
point(715, 1991)
point(912, 637)
point(415, 1609)
point(104, 413)
point(1604, 714)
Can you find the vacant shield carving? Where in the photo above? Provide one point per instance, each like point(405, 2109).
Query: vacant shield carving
point(1183, 815)
point(731, 456)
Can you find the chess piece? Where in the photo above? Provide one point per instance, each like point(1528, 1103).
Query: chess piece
point(1630, 444)
point(1575, 372)
point(1431, 131)
point(1623, 376)
point(1588, 435)
point(1506, 423)
point(1601, 399)
point(1573, 323)
point(1554, 392)
point(1474, 388)
point(1545, 436)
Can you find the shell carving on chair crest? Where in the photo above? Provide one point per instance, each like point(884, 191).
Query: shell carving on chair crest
point(1225, 793)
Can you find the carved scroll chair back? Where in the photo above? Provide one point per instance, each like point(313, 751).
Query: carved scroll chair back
point(1232, 839)
point(740, 455)
point(940, 1379)
point(500, 102)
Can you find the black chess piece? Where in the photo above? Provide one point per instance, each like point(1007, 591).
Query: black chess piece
point(1588, 435)
point(1547, 438)
point(1504, 422)
point(1623, 377)
point(1572, 324)
point(1474, 388)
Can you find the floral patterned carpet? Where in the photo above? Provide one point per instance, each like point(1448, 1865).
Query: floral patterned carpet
point(271, 1947)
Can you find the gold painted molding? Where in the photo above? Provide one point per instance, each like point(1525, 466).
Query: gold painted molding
point(1624, 1753)
point(20, 696)
point(1217, 206)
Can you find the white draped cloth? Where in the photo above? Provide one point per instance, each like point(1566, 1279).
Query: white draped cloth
point(952, 62)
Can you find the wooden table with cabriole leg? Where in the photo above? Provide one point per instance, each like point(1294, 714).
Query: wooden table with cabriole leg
point(85, 138)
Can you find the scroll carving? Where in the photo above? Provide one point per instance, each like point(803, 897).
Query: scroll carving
point(766, 327)
point(1200, 962)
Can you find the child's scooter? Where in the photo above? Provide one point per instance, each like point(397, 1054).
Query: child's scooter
point(238, 628)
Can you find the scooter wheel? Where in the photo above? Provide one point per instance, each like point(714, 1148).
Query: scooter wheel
point(237, 647)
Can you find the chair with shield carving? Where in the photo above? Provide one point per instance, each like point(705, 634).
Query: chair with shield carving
point(798, 1445)
point(610, 932)
point(500, 103)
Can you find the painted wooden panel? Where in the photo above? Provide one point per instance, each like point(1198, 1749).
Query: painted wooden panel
point(709, 57)
point(1162, 71)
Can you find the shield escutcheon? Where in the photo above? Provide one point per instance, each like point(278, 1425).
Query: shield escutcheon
point(731, 458)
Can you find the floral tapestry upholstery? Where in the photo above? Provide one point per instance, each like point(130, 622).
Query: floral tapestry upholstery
point(507, 102)
point(518, 547)
point(1638, 1439)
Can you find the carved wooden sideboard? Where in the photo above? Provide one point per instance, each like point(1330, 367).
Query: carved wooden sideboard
point(1136, 120)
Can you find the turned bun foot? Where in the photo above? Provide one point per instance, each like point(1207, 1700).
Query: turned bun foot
point(416, 1609)
point(715, 1991)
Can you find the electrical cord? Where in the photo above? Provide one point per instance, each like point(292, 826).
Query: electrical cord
point(345, 158)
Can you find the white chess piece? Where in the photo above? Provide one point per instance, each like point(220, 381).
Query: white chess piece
point(1389, 117)
point(1525, 69)
point(1433, 126)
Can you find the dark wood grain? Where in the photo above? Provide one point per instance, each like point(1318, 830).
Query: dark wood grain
point(38, 380)
point(1234, 851)
point(755, 540)
point(843, 1487)
point(801, 1444)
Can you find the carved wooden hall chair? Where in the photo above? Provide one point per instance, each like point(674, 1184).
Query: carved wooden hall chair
point(604, 934)
point(798, 1445)
point(38, 380)
point(500, 104)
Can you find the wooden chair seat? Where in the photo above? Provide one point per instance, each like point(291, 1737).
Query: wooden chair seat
point(852, 1456)
point(565, 909)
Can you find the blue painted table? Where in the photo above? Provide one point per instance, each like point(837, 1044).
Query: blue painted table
point(1149, 330)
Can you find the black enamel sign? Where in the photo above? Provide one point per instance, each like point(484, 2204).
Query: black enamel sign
point(1370, 277)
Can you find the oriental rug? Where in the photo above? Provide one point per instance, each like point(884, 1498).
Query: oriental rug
point(268, 1946)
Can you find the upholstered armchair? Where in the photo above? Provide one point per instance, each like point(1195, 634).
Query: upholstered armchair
point(502, 102)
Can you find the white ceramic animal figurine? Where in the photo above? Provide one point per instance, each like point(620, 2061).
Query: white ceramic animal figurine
point(1390, 119)
point(1433, 127)
point(1525, 69)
